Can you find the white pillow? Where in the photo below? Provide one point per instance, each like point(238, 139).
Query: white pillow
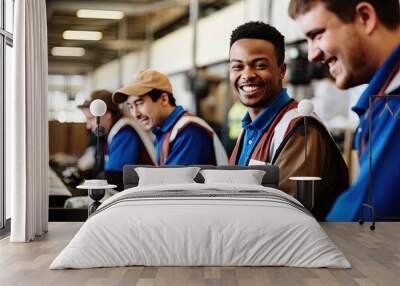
point(166, 176)
point(248, 177)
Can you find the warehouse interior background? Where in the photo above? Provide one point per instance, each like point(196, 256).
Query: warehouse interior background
point(104, 44)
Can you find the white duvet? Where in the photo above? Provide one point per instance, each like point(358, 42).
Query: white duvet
point(237, 228)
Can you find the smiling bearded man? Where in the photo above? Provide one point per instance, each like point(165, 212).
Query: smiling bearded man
point(273, 131)
point(360, 42)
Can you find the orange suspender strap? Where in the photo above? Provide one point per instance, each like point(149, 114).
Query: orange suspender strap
point(164, 150)
point(261, 151)
point(165, 145)
point(390, 78)
point(271, 129)
point(362, 145)
point(235, 152)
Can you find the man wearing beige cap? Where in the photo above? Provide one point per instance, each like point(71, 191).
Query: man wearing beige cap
point(126, 141)
point(182, 138)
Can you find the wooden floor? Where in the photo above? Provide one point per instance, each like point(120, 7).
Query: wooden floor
point(375, 257)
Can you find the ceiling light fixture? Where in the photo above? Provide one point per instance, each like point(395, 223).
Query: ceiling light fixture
point(99, 14)
point(82, 35)
point(67, 52)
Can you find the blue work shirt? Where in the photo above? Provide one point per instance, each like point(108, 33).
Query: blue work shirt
point(385, 154)
point(253, 130)
point(123, 149)
point(192, 146)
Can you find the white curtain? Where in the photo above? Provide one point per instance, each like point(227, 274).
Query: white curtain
point(27, 124)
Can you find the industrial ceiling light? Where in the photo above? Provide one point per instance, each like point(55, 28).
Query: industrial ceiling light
point(82, 35)
point(99, 14)
point(67, 51)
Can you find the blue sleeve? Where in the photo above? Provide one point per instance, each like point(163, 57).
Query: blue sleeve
point(123, 149)
point(192, 145)
point(385, 170)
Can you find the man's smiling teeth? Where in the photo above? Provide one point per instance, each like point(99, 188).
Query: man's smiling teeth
point(249, 88)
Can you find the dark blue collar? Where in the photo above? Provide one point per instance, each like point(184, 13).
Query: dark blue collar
point(377, 81)
point(170, 121)
point(263, 120)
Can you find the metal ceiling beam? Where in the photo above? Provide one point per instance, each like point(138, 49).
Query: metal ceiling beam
point(115, 45)
point(64, 67)
point(129, 8)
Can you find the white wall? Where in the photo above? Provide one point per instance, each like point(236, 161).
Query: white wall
point(173, 53)
point(281, 20)
point(257, 10)
point(182, 93)
point(214, 33)
point(131, 64)
point(106, 76)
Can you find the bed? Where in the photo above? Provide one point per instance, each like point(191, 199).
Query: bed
point(201, 223)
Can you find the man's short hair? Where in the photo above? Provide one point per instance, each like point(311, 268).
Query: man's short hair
point(388, 11)
point(105, 96)
point(155, 94)
point(262, 31)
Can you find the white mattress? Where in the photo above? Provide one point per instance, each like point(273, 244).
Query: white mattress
point(236, 229)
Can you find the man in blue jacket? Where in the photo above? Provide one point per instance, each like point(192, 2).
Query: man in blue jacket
point(181, 138)
point(360, 42)
point(125, 141)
